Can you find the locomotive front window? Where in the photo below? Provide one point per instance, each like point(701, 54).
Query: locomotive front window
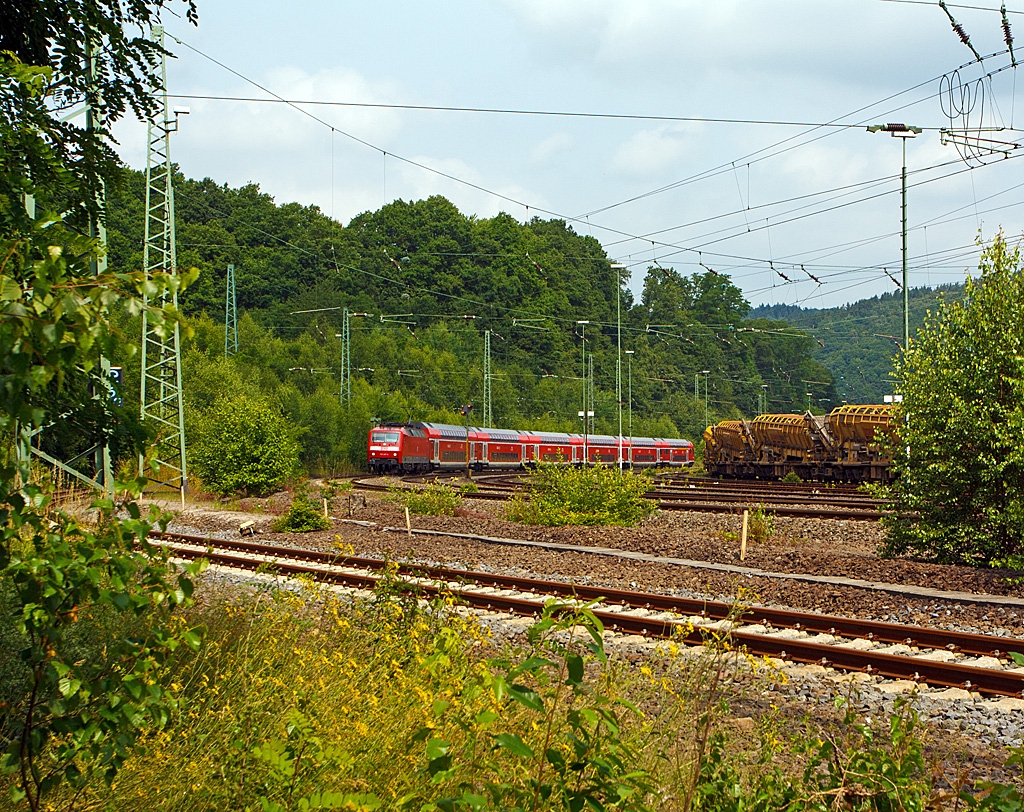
point(385, 437)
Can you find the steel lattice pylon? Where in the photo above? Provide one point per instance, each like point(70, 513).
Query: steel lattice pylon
point(230, 316)
point(161, 352)
point(488, 411)
point(346, 356)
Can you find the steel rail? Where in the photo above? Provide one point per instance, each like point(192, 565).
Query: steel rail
point(767, 500)
point(709, 506)
point(898, 666)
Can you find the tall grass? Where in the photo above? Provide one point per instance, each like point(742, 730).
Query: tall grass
point(301, 699)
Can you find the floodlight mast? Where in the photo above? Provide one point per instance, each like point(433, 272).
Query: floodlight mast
point(903, 132)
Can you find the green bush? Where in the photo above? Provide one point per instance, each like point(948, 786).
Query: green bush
point(433, 500)
point(242, 445)
point(593, 495)
point(302, 517)
point(792, 478)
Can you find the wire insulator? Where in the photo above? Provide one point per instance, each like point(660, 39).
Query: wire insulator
point(1007, 35)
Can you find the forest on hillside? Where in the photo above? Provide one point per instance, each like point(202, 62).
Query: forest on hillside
point(432, 280)
point(856, 342)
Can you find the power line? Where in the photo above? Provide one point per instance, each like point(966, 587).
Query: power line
point(757, 156)
point(518, 112)
point(950, 5)
point(582, 218)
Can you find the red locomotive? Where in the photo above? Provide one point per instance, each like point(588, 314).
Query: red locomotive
point(417, 447)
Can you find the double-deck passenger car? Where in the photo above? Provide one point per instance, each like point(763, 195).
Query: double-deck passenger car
point(420, 447)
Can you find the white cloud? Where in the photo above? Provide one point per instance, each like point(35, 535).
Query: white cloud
point(650, 151)
point(551, 146)
point(291, 155)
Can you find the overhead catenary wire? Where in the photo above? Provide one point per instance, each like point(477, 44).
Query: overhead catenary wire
point(837, 125)
point(580, 219)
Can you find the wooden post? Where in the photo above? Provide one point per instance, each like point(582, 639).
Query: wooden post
point(325, 510)
point(743, 536)
point(408, 524)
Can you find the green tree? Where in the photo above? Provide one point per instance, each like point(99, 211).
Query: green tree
point(93, 51)
point(242, 445)
point(69, 710)
point(958, 458)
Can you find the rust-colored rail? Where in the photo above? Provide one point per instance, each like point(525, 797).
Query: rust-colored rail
point(934, 672)
point(797, 507)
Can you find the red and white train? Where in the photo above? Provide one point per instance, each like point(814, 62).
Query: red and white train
point(418, 447)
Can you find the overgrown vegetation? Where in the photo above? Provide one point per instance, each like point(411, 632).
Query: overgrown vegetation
point(591, 495)
point(301, 700)
point(434, 499)
point(302, 516)
point(761, 525)
point(958, 455)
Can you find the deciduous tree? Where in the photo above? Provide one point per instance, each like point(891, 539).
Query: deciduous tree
point(959, 456)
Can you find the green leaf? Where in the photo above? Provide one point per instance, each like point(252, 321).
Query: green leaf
point(437, 747)
point(574, 664)
point(526, 697)
point(438, 707)
point(514, 744)
point(68, 687)
point(485, 718)
point(474, 801)
point(192, 639)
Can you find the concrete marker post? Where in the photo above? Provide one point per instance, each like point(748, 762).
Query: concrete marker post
point(743, 535)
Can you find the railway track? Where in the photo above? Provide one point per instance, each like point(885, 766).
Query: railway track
point(935, 657)
point(716, 497)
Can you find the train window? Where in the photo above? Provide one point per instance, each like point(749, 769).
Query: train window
point(382, 437)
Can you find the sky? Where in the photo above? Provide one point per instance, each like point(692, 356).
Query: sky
point(727, 134)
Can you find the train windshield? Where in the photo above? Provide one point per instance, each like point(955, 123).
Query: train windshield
point(385, 437)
